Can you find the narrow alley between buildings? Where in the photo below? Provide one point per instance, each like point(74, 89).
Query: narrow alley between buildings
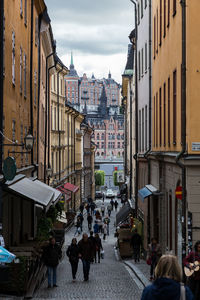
point(111, 279)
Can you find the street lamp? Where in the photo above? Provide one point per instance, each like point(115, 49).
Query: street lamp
point(29, 141)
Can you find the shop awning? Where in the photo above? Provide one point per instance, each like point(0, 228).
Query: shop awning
point(67, 193)
point(147, 191)
point(57, 194)
point(144, 193)
point(32, 190)
point(123, 214)
point(71, 187)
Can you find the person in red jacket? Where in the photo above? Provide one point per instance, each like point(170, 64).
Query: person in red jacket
point(194, 280)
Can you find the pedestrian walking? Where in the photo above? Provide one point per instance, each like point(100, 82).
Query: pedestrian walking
point(168, 275)
point(104, 230)
point(81, 208)
point(102, 209)
point(85, 253)
point(116, 204)
point(112, 203)
point(153, 255)
point(96, 227)
point(73, 254)
point(109, 209)
point(92, 239)
point(51, 256)
point(136, 242)
point(78, 226)
point(194, 280)
point(100, 223)
point(107, 221)
point(89, 220)
point(80, 216)
point(103, 196)
point(88, 208)
point(98, 247)
point(92, 207)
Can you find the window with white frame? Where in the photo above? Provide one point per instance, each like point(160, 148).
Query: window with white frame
point(13, 57)
point(25, 75)
point(21, 70)
point(21, 8)
point(25, 12)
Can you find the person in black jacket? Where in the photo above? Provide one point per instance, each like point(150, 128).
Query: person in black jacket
point(136, 243)
point(51, 256)
point(85, 253)
point(73, 254)
point(98, 247)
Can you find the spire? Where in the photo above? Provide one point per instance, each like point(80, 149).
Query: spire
point(109, 75)
point(72, 58)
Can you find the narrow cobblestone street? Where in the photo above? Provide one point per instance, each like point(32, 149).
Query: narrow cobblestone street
point(108, 280)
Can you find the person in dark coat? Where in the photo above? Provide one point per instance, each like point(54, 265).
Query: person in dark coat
point(92, 206)
point(80, 216)
point(116, 204)
point(167, 286)
point(73, 254)
point(136, 243)
point(51, 256)
point(194, 280)
point(78, 226)
point(89, 220)
point(81, 207)
point(85, 253)
point(98, 248)
point(92, 239)
point(112, 203)
point(153, 253)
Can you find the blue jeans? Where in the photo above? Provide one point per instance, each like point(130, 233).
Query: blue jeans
point(51, 270)
point(86, 268)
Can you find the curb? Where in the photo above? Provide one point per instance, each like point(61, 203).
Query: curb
point(137, 273)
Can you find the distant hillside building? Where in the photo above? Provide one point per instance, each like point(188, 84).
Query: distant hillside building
point(99, 100)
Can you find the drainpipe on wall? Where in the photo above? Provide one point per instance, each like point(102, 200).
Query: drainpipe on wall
point(31, 79)
point(38, 101)
point(49, 127)
point(149, 146)
point(183, 129)
point(46, 114)
point(76, 115)
point(136, 112)
point(131, 140)
point(59, 121)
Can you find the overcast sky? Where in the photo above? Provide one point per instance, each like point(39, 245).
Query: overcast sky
point(96, 31)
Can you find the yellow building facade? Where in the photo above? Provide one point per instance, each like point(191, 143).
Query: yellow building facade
point(175, 159)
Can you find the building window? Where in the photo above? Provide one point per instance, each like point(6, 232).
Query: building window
point(20, 70)
point(164, 19)
point(24, 75)
point(25, 12)
point(35, 87)
point(13, 58)
point(174, 7)
point(103, 136)
point(36, 31)
point(168, 13)
point(141, 9)
point(143, 129)
point(102, 145)
point(164, 110)
point(98, 136)
point(138, 13)
point(160, 114)
point(21, 8)
point(145, 57)
point(118, 145)
point(169, 117)
point(157, 30)
point(55, 118)
point(21, 140)
point(160, 22)
point(146, 126)
point(145, 3)
point(142, 64)
point(174, 106)
point(52, 161)
point(26, 154)
point(139, 130)
point(139, 66)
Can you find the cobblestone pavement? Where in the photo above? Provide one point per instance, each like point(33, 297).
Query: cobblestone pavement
point(110, 279)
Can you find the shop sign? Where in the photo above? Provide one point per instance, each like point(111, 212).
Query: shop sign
point(178, 192)
point(9, 168)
